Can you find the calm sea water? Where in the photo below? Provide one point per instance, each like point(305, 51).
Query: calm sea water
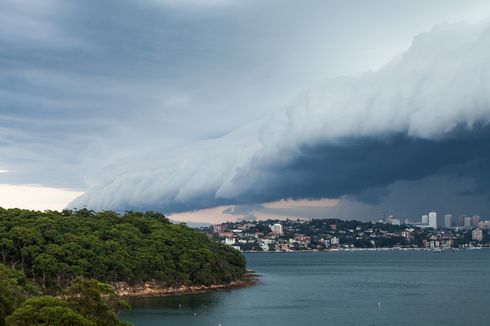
point(340, 288)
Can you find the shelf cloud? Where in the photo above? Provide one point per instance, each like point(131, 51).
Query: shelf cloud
point(425, 113)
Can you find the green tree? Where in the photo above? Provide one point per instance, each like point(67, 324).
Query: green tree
point(46, 310)
point(46, 265)
point(6, 247)
point(94, 300)
point(25, 238)
point(7, 302)
point(14, 289)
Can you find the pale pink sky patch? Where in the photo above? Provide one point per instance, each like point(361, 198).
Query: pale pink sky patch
point(209, 215)
point(35, 197)
point(216, 214)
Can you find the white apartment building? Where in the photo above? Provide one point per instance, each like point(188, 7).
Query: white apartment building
point(277, 229)
point(433, 220)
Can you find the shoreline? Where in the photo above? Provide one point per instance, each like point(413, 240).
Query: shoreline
point(249, 279)
point(363, 249)
point(152, 289)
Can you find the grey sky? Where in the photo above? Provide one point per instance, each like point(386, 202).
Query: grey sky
point(94, 91)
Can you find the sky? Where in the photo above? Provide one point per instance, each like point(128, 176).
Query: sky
point(226, 109)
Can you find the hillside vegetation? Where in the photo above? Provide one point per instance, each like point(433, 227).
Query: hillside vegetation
point(56, 267)
point(53, 248)
point(83, 303)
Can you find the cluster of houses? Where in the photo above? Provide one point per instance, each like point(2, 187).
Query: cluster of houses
point(334, 234)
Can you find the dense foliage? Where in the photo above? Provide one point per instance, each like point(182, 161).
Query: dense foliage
point(83, 303)
point(14, 289)
point(53, 248)
point(47, 310)
point(72, 255)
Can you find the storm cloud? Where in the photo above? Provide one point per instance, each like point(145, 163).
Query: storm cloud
point(180, 105)
point(426, 112)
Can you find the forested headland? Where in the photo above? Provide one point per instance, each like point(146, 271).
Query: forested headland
point(50, 258)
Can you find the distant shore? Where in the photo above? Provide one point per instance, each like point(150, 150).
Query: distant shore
point(152, 289)
point(366, 249)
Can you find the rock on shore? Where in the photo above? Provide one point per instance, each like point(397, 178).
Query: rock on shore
point(153, 289)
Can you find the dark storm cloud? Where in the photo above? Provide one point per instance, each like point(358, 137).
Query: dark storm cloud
point(423, 112)
point(361, 168)
point(354, 165)
point(148, 104)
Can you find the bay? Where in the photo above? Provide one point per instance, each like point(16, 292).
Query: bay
point(339, 288)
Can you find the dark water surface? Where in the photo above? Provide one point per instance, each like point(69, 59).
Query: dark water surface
point(340, 288)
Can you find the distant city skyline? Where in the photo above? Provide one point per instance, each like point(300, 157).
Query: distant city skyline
point(336, 234)
point(438, 220)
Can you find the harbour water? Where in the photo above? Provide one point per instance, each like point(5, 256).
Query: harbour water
point(339, 288)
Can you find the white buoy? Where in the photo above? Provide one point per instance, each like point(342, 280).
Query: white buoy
point(379, 305)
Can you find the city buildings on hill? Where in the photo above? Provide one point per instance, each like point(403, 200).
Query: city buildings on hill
point(334, 234)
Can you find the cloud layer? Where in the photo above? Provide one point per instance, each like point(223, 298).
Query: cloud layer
point(426, 112)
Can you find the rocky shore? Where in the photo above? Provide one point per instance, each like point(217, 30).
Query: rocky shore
point(153, 289)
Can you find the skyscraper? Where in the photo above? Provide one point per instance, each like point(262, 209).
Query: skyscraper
point(433, 220)
point(448, 220)
point(461, 220)
point(475, 219)
point(425, 219)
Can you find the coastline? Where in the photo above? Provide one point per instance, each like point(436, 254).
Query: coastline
point(152, 289)
point(361, 249)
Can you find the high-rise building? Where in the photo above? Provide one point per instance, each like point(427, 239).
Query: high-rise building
point(433, 220)
point(484, 225)
point(425, 219)
point(277, 229)
point(477, 235)
point(475, 219)
point(461, 220)
point(468, 222)
point(448, 220)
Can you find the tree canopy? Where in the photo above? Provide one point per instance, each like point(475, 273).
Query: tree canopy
point(47, 310)
point(57, 267)
point(53, 248)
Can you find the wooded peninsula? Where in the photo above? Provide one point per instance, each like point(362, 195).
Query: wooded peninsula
point(59, 268)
